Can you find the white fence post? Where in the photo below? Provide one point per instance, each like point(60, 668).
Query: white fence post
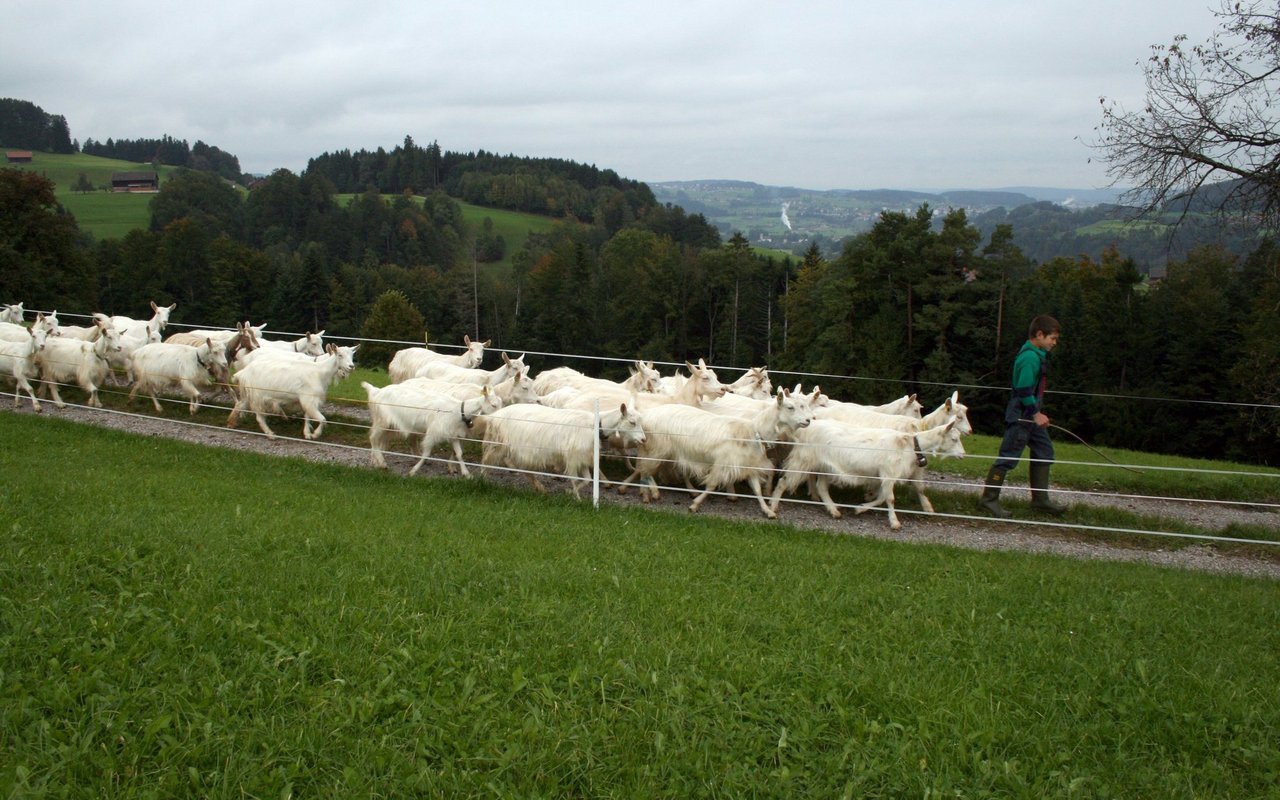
point(595, 453)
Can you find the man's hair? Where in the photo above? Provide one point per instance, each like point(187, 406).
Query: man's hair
point(1043, 324)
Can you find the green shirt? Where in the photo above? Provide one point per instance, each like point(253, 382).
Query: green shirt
point(1030, 373)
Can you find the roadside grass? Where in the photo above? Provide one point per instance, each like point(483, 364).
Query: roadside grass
point(1146, 474)
point(216, 623)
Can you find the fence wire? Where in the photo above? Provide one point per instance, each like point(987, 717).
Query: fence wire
point(598, 476)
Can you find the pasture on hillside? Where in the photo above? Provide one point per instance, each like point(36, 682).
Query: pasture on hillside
point(178, 620)
point(102, 213)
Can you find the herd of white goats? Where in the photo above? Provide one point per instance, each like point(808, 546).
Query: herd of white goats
point(693, 427)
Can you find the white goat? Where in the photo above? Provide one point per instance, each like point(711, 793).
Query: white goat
point(12, 312)
point(701, 386)
point(86, 363)
point(312, 344)
point(534, 437)
point(15, 332)
point(246, 357)
point(160, 365)
point(452, 373)
point(407, 363)
point(516, 389)
point(717, 450)
point(644, 377)
point(218, 335)
point(129, 344)
point(403, 409)
point(18, 361)
point(268, 386)
point(86, 332)
point(907, 405)
point(830, 452)
point(754, 383)
point(235, 347)
point(951, 409)
point(159, 319)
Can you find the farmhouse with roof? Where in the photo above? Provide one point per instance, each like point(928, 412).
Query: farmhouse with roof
point(19, 156)
point(135, 182)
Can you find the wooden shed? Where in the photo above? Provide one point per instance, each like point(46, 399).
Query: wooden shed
point(19, 156)
point(135, 182)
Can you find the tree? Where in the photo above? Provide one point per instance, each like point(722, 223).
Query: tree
point(1209, 116)
point(202, 197)
point(42, 262)
point(392, 319)
point(82, 184)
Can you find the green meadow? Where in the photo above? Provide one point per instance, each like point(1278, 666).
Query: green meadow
point(185, 621)
point(108, 215)
point(102, 213)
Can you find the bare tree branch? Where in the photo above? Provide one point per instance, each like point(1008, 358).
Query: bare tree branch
point(1208, 129)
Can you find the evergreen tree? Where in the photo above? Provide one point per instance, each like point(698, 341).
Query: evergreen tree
point(42, 262)
point(392, 318)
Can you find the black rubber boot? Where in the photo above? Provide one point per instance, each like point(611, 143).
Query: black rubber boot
point(990, 500)
point(1040, 498)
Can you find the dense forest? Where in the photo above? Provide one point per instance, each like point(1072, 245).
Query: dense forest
point(922, 302)
point(25, 125)
point(171, 152)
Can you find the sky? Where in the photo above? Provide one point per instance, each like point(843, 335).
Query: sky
point(936, 95)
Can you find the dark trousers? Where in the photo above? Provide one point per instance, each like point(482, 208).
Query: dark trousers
point(1020, 434)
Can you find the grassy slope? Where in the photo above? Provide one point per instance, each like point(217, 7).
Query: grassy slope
point(292, 627)
point(101, 213)
point(112, 215)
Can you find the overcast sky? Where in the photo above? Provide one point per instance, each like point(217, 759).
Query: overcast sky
point(819, 95)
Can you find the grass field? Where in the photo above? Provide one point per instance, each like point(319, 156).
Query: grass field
point(112, 215)
point(177, 621)
point(101, 213)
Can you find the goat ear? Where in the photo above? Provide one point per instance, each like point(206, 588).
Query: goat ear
point(466, 339)
point(488, 342)
point(623, 408)
point(154, 307)
point(173, 305)
point(505, 358)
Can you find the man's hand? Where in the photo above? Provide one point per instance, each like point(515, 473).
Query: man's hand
point(1041, 419)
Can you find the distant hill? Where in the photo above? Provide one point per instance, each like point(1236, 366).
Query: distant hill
point(1047, 222)
point(787, 217)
